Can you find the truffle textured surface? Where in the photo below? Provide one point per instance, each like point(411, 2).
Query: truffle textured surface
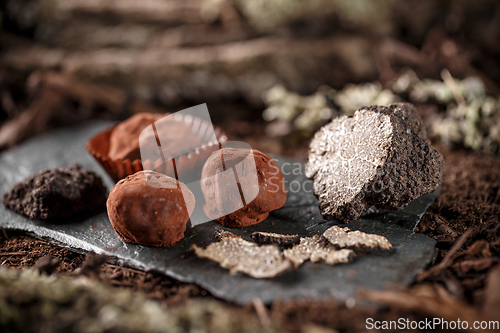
point(124, 139)
point(380, 156)
point(261, 237)
point(150, 208)
point(344, 238)
point(241, 187)
point(239, 255)
point(176, 137)
point(57, 193)
point(317, 249)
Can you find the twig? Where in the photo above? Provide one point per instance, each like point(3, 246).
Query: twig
point(452, 85)
point(13, 254)
point(447, 260)
point(262, 312)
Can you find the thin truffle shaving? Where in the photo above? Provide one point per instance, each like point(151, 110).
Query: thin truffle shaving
point(239, 255)
point(317, 249)
point(261, 237)
point(344, 238)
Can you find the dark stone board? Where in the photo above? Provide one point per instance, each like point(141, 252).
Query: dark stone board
point(299, 216)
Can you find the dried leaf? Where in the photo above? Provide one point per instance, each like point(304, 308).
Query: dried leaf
point(433, 300)
point(492, 295)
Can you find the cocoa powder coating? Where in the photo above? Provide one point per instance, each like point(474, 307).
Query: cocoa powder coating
point(220, 200)
point(124, 139)
point(150, 208)
point(176, 137)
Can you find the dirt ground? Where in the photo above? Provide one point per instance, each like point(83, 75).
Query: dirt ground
point(469, 203)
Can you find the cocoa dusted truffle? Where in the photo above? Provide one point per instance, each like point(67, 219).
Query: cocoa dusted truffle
point(379, 156)
point(124, 139)
point(150, 208)
point(176, 137)
point(57, 193)
point(241, 187)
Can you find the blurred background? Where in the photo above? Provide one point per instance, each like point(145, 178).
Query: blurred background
point(272, 72)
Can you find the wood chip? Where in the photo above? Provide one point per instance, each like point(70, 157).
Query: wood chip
point(317, 249)
point(344, 238)
point(261, 237)
point(239, 255)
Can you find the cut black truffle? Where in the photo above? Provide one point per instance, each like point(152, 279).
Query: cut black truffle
point(239, 255)
point(380, 156)
point(344, 238)
point(317, 249)
point(57, 193)
point(261, 237)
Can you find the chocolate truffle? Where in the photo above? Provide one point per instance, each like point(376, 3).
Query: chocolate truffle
point(124, 139)
point(176, 137)
point(57, 193)
point(150, 208)
point(380, 156)
point(241, 186)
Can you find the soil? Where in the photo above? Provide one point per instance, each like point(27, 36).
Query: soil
point(470, 200)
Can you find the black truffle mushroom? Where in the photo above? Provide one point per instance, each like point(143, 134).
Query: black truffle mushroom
point(57, 193)
point(238, 255)
point(380, 156)
point(261, 237)
point(317, 249)
point(344, 238)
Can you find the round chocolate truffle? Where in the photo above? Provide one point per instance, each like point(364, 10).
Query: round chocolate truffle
point(241, 187)
point(150, 208)
point(124, 140)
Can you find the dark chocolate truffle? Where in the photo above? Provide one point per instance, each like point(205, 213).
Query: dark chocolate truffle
point(57, 193)
point(231, 176)
point(150, 208)
point(380, 156)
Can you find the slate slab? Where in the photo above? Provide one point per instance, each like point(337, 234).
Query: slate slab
point(300, 216)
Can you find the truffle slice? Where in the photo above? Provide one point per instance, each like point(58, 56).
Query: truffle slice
point(57, 193)
point(241, 187)
point(239, 255)
point(150, 208)
point(317, 249)
point(261, 237)
point(344, 238)
point(380, 156)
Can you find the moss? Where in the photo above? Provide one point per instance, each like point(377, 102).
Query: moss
point(308, 113)
point(34, 302)
point(472, 118)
